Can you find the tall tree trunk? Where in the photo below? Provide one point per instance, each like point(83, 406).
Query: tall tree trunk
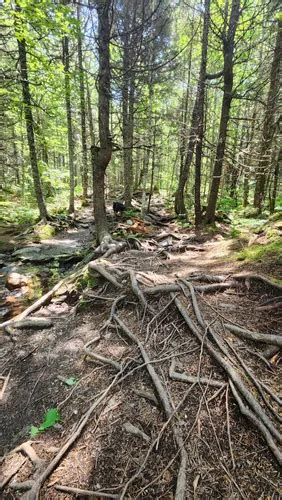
point(273, 194)
point(101, 155)
point(90, 116)
point(200, 111)
point(127, 112)
point(29, 120)
point(66, 59)
point(153, 165)
point(269, 122)
point(228, 52)
point(82, 113)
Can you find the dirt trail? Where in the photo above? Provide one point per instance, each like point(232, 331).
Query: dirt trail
point(226, 456)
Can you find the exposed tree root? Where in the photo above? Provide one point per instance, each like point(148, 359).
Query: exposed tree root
point(253, 278)
point(35, 485)
point(98, 357)
point(233, 375)
point(93, 266)
point(181, 479)
point(183, 377)
point(175, 287)
point(84, 493)
point(254, 336)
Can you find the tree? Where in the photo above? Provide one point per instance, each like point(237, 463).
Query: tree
point(66, 60)
point(82, 113)
point(101, 155)
point(269, 121)
point(200, 111)
point(27, 104)
point(228, 40)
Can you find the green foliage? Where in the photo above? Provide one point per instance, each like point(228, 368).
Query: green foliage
point(52, 416)
point(271, 252)
point(70, 381)
point(44, 231)
point(226, 204)
point(234, 232)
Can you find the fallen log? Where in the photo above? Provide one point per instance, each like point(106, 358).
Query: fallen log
point(265, 338)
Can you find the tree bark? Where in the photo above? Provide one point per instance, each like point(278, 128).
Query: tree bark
point(101, 155)
point(127, 110)
point(273, 195)
point(66, 60)
point(228, 52)
point(269, 122)
point(29, 118)
point(200, 111)
point(82, 113)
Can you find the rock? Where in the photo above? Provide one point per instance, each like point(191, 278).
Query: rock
point(15, 280)
point(46, 253)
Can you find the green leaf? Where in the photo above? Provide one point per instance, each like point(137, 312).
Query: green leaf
point(71, 381)
point(34, 431)
point(51, 418)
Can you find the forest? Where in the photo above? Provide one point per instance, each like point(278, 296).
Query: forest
point(140, 249)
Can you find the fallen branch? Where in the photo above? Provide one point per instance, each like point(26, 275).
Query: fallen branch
point(265, 338)
point(45, 298)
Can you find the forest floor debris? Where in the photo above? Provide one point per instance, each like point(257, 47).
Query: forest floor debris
point(193, 430)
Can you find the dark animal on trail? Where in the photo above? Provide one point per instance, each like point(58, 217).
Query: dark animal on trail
point(118, 207)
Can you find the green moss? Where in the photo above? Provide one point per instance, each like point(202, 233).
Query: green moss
point(271, 251)
point(44, 231)
point(86, 281)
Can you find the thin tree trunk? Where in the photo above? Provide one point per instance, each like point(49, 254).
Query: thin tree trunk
point(153, 166)
point(66, 59)
point(269, 122)
point(127, 113)
point(82, 114)
point(200, 111)
point(273, 193)
point(29, 121)
point(90, 116)
point(101, 156)
point(228, 50)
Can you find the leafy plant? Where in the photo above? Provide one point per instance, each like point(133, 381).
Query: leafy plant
point(52, 416)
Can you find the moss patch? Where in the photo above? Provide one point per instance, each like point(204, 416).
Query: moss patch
point(255, 253)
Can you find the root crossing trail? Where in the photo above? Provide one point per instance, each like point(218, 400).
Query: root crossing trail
point(170, 397)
